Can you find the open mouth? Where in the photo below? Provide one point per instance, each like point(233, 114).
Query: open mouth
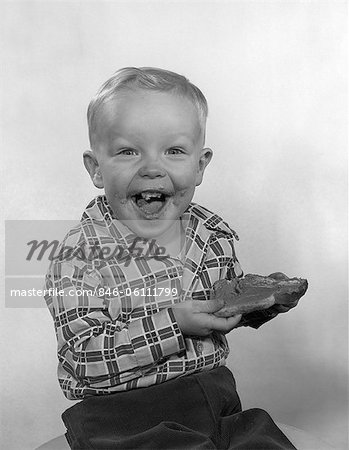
point(151, 203)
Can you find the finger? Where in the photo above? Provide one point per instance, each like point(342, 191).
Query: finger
point(224, 324)
point(208, 306)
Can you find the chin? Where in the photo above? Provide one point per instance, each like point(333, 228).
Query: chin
point(149, 229)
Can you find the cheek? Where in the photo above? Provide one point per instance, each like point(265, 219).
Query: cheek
point(185, 186)
point(114, 182)
point(184, 177)
point(115, 194)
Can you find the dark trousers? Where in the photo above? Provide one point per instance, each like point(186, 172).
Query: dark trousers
point(200, 411)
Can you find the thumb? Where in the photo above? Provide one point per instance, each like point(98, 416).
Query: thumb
point(210, 306)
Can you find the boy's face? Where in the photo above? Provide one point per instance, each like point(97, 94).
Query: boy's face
point(148, 157)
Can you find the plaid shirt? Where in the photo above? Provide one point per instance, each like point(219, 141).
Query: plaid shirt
point(115, 331)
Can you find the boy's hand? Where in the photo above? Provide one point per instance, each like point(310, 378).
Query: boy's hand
point(195, 317)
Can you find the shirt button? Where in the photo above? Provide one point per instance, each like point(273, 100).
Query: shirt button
point(200, 346)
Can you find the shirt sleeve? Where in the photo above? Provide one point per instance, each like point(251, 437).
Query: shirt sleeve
point(91, 346)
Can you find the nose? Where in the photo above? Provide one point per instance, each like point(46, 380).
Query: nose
point(152, 168)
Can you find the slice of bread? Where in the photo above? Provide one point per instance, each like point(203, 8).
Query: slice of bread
point(257, 292)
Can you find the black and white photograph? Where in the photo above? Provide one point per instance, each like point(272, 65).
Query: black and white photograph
point(174, 225)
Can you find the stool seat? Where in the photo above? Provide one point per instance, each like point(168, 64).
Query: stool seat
point(58, 443)
point(299, 438)
point(303, 440)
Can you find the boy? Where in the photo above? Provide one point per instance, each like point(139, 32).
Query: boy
point(137, 341)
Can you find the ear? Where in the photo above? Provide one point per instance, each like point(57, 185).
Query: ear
point(92, 167)
point(204, 160)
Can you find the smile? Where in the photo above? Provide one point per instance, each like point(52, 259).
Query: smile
point(151, 203)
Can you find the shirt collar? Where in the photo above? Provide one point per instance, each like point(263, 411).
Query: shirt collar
point(99, 212)
point(209, 220)
point(200, 224)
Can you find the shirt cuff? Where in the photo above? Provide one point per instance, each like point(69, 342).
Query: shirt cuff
point(155, 337)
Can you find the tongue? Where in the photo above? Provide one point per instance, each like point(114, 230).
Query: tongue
point(152, 207)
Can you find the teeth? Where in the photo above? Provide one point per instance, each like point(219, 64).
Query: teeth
point(149, 195)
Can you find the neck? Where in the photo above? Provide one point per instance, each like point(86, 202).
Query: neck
point(172, 239)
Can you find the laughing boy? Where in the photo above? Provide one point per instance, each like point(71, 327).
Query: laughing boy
point(139, 343)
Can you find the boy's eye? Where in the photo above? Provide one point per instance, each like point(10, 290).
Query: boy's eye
point(127, 151)
point(175, 151)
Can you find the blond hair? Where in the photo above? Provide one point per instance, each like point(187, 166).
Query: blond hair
point(149, 78)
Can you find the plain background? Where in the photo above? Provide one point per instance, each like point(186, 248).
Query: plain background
point(274, 74)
